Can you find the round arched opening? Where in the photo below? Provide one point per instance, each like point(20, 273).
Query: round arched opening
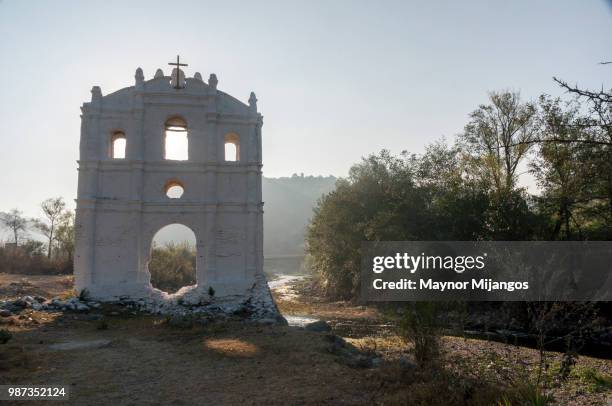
point(172, 261)
point(174, 189)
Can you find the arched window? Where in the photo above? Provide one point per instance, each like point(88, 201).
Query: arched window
point(117, 145)
point(176, 145)
point(174, 189)
point(232, 147)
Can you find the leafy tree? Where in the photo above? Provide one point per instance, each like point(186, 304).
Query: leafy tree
point(495, 142)
point(559, 168)
point(64, 235)
point(14, 221)
point(32, 248)
point(53, 210)
point(391, 198)
point(497, 138)
point(456, 203)
point(358, 208)
point(596, 140)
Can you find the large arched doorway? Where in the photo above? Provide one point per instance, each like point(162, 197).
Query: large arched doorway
point(172, 259)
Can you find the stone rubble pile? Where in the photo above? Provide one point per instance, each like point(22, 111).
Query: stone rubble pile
point(259, 305)
point(9, 307)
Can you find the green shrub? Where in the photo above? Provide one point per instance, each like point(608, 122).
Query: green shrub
point(420, 326)
point(172, 266)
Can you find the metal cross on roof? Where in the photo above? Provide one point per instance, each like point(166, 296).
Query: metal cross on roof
point(178, 65)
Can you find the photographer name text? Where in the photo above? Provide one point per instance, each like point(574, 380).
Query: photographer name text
point(459, 264)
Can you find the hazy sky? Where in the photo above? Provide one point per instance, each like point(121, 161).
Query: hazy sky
point(336, 80)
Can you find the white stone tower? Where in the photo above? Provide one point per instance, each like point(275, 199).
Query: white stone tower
point(122, 195)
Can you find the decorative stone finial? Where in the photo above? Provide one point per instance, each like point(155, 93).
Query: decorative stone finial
point(159, 74)
point(96, 94)
point(197, 76)
point(213, 81)
point(139, 76)
point(253, 102)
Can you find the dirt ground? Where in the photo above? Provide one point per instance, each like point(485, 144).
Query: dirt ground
point(14, 286)
point(140, 360)
point(143, 360)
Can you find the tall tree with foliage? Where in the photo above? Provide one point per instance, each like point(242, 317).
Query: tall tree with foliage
point(497, 138)
point(53, 210)
point(495, 142)
point(15, 222)
point(562, 169)
point(64, 235)
point(596, 138)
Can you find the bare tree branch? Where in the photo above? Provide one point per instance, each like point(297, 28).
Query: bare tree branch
point(600, 96)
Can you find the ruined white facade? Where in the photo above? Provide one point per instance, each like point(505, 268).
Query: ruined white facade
point(122, 201)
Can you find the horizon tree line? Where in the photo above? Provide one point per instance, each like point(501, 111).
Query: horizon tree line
point(56, 226)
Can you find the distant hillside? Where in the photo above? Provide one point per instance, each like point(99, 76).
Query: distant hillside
point(288, 204)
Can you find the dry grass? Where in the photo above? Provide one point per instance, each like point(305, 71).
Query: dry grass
point(13, 286)
point(148, 362)
point(482, 372)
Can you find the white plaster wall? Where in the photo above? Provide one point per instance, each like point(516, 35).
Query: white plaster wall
point(121, 203)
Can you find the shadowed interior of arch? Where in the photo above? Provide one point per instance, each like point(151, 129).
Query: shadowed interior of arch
point(172, 260)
